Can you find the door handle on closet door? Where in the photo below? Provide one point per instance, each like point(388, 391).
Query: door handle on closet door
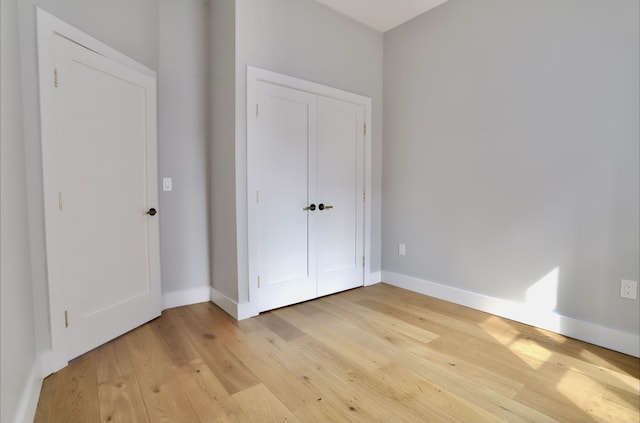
point(311, 207)
point(322, 207)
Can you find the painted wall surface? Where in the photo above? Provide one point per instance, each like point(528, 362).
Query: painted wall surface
point(130, 27)
point(183, 143)
point(307, 40)
point(511, 148)
point(18, 353)
point(224, 265)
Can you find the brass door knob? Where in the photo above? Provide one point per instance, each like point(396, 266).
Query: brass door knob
point(311, 207)
point(151, 212)
point(322, 207)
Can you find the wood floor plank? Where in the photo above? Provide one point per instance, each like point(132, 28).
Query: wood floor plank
point(387, 401)
point(163, 395)
point(209, 398)
point(623, 397)
point(320, 380)
point(322, 411)
point(279, 326)
point(45, 402)
point(76, 397)
point(169, 330)
point(113, 360)
point(121, 401)
point(448, 377)
point(260, 405)
point(228, 368)
point(374, 354)
point(347, 342)
point(263, 360)
point(403, 336)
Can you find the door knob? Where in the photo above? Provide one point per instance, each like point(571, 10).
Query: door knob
point(151, 212)
point(311, 207)
point(322, 207)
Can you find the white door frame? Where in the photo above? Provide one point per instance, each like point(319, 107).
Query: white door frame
point(254, 75)
point(48, 26)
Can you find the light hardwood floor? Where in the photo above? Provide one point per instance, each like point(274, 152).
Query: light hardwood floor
point(375, 354)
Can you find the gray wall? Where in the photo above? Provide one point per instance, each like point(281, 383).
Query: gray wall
point(511, 149)
point(224, 265)
point(18, 353)
point(182, 145)
point(305, 39)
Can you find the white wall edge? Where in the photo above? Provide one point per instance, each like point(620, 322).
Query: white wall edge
point(231, 307)
point(372, 278)
point(224, 302)
point(624, 342)
point(48, 363)
point(26, 410)
point(185, 297)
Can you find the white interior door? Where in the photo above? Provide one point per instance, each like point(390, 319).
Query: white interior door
point(340, 181)
point(285, 191)
point(100, 164)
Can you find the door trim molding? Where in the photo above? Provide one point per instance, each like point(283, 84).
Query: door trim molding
point(47, 28)
point(255, 75)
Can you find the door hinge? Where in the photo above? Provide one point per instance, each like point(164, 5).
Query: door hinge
point(365, 129)
point(362, 261)
point(258, 281)
point(66, 319)
point(257, 197)
point(55, 77)
point(364, 196)
point(59, 201)
point(257, 113)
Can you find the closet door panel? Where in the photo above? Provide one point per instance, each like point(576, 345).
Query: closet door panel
point(340, 181)
point(287, 253)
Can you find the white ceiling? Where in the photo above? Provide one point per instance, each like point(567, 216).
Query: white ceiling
point(382, 15)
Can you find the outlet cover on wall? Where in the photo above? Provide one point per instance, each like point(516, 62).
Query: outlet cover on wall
point(629, 289)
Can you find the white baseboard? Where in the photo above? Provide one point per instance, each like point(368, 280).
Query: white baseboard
point(372, 278)
point(185, 297)
point(224, 302)
point(624, 342)
point(26, 410)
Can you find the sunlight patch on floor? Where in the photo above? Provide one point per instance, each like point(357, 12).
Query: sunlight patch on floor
point(596, 398)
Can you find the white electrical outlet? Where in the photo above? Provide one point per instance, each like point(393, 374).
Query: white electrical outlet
point(402, 250)
point(629, 289)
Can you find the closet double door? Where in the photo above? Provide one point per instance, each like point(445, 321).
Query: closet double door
point(309, 177)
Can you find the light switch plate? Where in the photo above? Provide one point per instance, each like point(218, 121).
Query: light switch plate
point(166, 184)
